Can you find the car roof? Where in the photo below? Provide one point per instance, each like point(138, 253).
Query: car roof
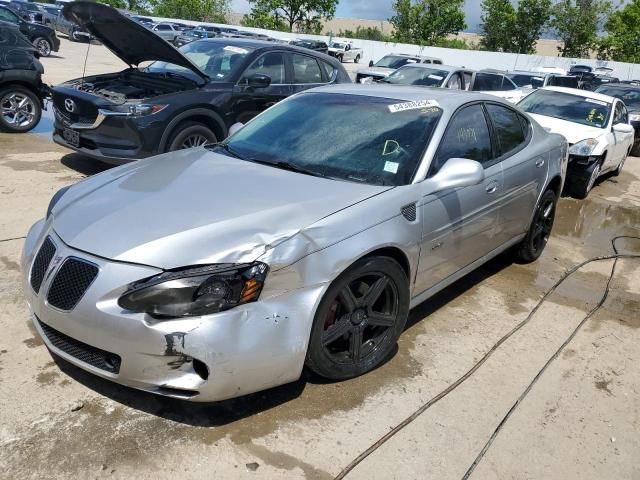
point(582, 93)
point(257, 44)
point(446, 68)
point(445, 97)
point(627, 86)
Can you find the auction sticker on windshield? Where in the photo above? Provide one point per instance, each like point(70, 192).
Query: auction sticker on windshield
point(417, 105)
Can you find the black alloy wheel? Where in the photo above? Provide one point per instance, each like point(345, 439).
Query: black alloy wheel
point(359, 320)
point(540, 230)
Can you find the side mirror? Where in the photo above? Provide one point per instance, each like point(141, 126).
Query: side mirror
point(371, 63)
point(258, 80)
point(235, 128)
point(623, 128)
point(458, 172)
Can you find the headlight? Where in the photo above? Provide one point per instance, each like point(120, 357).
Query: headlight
point(139, 109)
point(56, 198)
point(584, 148)
point(634, 117)
point(196, 291)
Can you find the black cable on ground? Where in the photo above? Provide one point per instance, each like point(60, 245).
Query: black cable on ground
point(11, 239)
point(345, 471)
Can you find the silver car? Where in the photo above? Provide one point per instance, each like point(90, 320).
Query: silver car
point(210, 273)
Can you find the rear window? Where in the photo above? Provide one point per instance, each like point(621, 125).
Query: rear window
point(490, 82)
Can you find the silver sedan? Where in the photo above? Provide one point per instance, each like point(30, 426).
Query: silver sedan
point(305, 238)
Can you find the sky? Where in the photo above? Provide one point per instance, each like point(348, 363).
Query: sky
point(376, 10)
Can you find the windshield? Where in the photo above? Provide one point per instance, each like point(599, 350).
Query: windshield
point(525, 80)
point(338, 45)
point(426, 77)
point(630, 97)
point(356, 138)
point(573, 108)
point(217, 60)
point(395, 62)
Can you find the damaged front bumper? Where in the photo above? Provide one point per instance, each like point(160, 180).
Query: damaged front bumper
point(209, 358)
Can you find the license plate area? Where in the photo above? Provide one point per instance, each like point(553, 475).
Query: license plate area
point(71, 137)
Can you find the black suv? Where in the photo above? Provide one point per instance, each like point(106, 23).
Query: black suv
point(314, 45)
point(185, 98)
point(21, 87)
point(27, 10)
point(43, 38)
point(630, 95)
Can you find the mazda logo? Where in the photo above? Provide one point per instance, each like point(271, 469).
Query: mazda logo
point(70, 105)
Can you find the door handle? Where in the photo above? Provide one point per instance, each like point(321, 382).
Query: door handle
point(539, 163)
point(492, 187)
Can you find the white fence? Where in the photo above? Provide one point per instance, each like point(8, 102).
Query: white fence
point(473, 59)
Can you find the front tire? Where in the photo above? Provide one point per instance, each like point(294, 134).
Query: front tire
point(581, 187)
point(537, 237)
point(359, 319)
point(618, 170)
point(341, 58)
point(43, 46)
point(20, 109)
point(190, 135)
point(357, 59)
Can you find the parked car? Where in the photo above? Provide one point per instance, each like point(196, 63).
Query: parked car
point(315, 45)
point(189, 36)
point(290, 243)
point(390, 63)
point(186, 98)
point(497, 84)
point(166, 31)
point(533, 80)
point(146, 21)
point(630, 95)
point(595, 125)
point(50, 13)
point(345, 51)
point(71, 29)
point(42, 37)
point(31, 12)
point(21, 88)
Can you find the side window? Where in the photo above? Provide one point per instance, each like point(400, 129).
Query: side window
point(8, 15)
point(490, 82)
point(620, 114)
point(329, 69)
point(454, 82)
point(438, 62)
point(270, 64)
point(305, 69)
point(467, 136)
point(508, 128)
point(467, 80)
point(163, 27)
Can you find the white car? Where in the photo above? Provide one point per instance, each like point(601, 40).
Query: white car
point(595, 125)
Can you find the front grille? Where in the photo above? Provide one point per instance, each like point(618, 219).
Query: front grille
point(409, 212)
point(84, 111)
point(95, 357)
point(70, 283)
point(41, 263)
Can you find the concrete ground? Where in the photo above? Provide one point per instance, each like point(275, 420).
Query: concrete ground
point(579, 421)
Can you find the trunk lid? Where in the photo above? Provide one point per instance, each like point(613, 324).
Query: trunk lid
point(127, 39)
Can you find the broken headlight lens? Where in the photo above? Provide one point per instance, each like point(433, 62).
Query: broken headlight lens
point(584, 147)
point(196, 291)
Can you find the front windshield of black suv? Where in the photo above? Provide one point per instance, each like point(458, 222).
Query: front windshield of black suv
point(391, 61)
point(378, 141)
point(217, 60)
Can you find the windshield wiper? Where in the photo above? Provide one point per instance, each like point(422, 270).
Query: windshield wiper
point(290, 167)
point(229, 150)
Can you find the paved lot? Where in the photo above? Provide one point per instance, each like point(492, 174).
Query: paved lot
point(579, 421)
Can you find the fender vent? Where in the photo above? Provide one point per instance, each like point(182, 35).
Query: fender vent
point(41, 263)
point(409, 212)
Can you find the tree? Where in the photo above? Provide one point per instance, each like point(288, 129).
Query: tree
point(509, 30)
point(426, 22)
point(365, 33)
point(498, 25)
point(200, 10)
point(305, 15)
point(577, 23)
point(622, 42)
point(262, 17)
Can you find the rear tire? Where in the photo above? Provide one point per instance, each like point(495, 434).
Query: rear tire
point(190, 135)
point(20, 109)
point(359, 319)
point(537, 237)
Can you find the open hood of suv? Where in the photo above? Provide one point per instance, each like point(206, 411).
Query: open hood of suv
point(129, 40)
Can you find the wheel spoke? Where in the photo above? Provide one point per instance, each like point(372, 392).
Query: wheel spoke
point(378, 319)
point(348, 300)
point(355, 344)
point(374, 292)
point(336, 331)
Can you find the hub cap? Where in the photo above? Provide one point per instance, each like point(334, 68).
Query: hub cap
point(17, 109)
point(360, 319)
point(43, 47)
point(594, 176)
point(193, 141)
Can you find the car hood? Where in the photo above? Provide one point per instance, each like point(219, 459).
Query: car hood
point(380, 71)
point(195, 207)
point(573, 132)
point(127, 39)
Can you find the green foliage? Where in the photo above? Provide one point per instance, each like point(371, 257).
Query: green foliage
point(305, 15)
point(577, 23)
point(622, 42)
point(507, 29)
point(199, 10)
point(457, 43)
point(366, 33)
point(427, 22)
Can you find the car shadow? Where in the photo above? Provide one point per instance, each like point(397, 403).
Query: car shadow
point(84, 165)
point(217, 414)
